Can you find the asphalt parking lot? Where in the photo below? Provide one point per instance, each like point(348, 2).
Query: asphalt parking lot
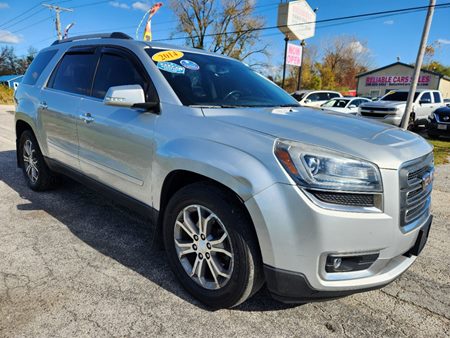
point(73, 263)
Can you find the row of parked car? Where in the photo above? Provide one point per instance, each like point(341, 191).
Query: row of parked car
point(429, 108)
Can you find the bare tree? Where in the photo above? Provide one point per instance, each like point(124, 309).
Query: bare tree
point(343, 58)
point(229, 27)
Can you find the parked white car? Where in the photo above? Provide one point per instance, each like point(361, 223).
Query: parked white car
point(314, 98)
point(347, 105)
point(391, 107)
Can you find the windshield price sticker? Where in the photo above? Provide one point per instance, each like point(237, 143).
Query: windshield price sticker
point(171, 67)
point(188, 64)
point(167, 55)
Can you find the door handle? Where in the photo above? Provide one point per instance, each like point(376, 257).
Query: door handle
point(87, 118)
point(43, 105)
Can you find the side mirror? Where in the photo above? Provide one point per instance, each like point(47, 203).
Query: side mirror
point(307, 101)
point(352, 106)
point(124, 96)
point(131, 96)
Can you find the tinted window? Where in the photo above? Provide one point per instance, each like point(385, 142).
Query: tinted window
point(298, 97)
point(207, 80)
point(324, 96)
point(37, 66)
point(74, 73)
point(437, 97)
point(314, 97)
point(397, 96)
point(115, 70)
point(426, 97)
point(331, 95)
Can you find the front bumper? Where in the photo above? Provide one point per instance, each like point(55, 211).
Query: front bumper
point(389, 119)
point(293, 287)
point(435, 128)
point(296, 236)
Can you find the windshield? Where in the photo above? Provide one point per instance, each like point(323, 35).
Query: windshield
point(337, 103)
point(298, 96)
point(397, 96)
point(204, 80)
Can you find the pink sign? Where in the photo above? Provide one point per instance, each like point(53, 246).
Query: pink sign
point(294, 55)
point(390, 80)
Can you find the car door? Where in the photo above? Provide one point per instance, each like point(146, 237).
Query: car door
point(116, 143)
point(60, 100)
point(424, 107)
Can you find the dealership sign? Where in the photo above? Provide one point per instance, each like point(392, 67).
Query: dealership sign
point(296, 20)
point(294, 55)
point(394, 80)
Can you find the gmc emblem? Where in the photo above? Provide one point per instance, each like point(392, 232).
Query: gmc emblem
point(427, 178)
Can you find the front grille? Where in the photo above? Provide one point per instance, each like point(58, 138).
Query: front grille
point(363, 113)
point(372, 109)
point(415, 191)
point(356, 200)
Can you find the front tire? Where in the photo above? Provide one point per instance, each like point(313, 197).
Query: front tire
point(37, 174)
point(211, 246)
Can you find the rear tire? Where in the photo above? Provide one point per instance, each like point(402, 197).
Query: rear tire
point(37, 174)
point(234, 249)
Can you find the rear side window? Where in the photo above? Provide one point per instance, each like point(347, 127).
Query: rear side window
point(115, 70)
point(437, 97)
point(74, 73)
point(324, 96)
point(37, 66)
point(331, 95)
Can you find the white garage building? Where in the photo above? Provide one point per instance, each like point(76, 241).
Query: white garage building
point(398, 75)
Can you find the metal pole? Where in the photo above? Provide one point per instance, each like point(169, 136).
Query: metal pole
point(426, 29)
point(286, 40)
point(303, 44)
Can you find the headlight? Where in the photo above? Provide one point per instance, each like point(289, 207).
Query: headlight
point(318, 168)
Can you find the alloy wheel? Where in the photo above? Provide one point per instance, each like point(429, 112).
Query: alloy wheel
point(203, 247)
point(30, 161)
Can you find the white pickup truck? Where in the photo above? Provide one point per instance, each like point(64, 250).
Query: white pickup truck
point(391, 107)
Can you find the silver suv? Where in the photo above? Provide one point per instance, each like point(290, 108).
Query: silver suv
point(244, 186)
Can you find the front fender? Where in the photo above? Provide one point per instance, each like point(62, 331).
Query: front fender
point(234, 168)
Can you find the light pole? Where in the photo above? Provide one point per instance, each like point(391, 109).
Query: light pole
point(423, 43)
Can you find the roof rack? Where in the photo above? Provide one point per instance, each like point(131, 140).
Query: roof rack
point(113, 35)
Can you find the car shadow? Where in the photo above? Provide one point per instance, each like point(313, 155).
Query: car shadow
point(112, 230)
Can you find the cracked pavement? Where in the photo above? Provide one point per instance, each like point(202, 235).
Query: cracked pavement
point(73, 263)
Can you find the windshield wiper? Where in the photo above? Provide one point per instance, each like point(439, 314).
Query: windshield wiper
point(204, 106)
point(288, 105)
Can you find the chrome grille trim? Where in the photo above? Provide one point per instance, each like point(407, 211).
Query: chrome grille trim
point(415, 197)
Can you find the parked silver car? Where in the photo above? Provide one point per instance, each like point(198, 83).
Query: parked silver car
point(245, 186)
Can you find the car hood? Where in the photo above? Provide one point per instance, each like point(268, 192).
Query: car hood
point(384, 104)
point(385, 145)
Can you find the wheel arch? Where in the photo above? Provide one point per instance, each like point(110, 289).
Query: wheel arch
point(20, 127)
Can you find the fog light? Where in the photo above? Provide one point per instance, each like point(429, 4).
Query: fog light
point(337, 262)
point(346, 263)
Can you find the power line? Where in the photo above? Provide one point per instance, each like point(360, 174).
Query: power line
point(390, 12)
point(11, 22)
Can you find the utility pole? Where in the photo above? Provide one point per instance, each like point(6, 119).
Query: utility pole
point(299, 83)
point(418, 67)
point(286, 41)
point(58, 10)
